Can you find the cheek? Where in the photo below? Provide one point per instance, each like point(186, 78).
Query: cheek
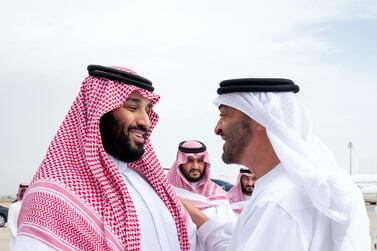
point(201, 167)
point(125, 120)
point(186, 168)
point(244, 182)
point(227, 126)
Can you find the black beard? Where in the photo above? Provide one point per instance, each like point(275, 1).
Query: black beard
point(246, 192)
point(116, 143)
point(187, 176)
point(238, 137)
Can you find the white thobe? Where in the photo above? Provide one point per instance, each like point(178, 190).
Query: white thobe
point(14, 211)
point(219, 207)
point(246, 197)
point(158, 229)
point(279, 216)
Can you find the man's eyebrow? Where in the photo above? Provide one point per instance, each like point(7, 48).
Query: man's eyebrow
point(136, 100)
point(222, 107)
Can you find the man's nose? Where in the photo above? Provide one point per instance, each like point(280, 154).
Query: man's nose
point(218, 130)
point(195, 165)
point(143, 120)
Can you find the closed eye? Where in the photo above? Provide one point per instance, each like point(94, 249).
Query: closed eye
point(130, 108)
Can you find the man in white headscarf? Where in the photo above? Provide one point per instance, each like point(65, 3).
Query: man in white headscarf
point(302, 200)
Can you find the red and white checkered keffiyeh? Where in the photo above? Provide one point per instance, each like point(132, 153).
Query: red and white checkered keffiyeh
point(235, 194)
point(78, 199)
point(205, 186)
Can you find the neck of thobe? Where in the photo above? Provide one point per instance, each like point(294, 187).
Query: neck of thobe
point(157, 226)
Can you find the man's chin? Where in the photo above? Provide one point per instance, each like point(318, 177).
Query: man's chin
point(136, 147)
point(136, 152)
point(194, 179)
point(227, 159)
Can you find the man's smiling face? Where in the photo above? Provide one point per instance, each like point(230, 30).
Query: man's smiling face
point(124, 129)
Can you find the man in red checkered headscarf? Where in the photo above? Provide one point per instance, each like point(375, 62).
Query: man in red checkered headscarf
point(190, 177)
point(242, 190)
point(100, 186)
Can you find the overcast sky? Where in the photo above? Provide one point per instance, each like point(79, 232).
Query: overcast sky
point(328, 48)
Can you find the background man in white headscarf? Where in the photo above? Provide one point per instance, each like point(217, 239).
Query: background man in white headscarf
point(302, 200)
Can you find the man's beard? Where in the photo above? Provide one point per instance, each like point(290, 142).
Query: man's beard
point(116, 143)
point(189, 178)
point(247, 192)
point(236, 139)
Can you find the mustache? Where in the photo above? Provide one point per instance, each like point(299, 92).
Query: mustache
point(138, 127)
point(195, 170)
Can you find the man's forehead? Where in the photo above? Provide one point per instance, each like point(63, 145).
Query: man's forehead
point(137, 97)
point(223, 108)
point(196, 157)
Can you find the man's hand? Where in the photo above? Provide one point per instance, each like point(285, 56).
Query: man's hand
point(197, 216)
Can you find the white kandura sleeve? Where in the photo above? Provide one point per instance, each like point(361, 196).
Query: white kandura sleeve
point(216, 233)
point(268, 227)
point(193, 238)
point(12, 221)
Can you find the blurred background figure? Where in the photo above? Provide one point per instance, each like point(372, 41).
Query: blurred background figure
point(14, 211)
point(242, 190)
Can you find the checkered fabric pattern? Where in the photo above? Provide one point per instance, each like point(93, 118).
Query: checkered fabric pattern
point(78, 193)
